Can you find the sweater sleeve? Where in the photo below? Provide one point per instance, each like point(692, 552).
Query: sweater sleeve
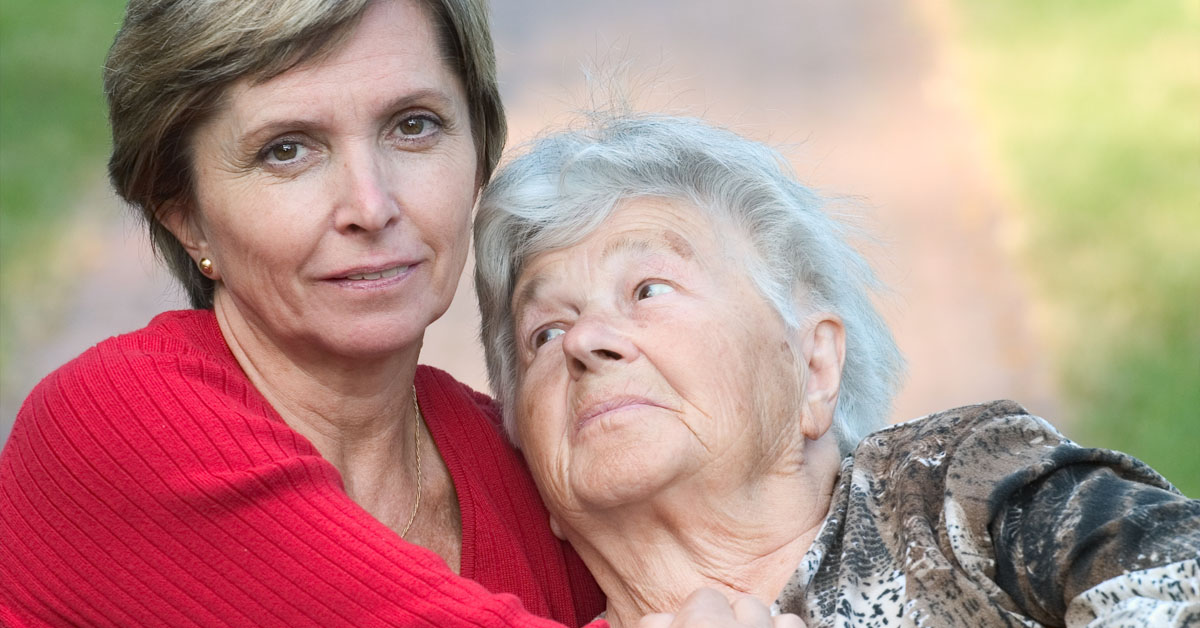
point(1095, 537)
point(159, 489)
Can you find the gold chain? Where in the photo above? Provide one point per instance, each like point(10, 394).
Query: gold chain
point(417, 446)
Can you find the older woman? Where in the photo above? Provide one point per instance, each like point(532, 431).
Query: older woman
point(307, 169)
point(688, 357)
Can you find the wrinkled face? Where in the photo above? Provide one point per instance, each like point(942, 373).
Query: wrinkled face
point(649, 361)
point(334, 199)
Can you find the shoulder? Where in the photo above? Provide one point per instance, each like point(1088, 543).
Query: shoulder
point(990, 452)
point(1018, 503)
point(127, 374)
point(489, 474)
point(994, 420)
point(465, 426)
point(985, 439)
point(175, 335)
point(170, 336)
point(949, 465)
point(150, 395)
point(442, 395)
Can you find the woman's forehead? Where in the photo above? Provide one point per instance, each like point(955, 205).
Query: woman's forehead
point(607, 248)
point(391, 54)
point(641, 224)
point(643, 228)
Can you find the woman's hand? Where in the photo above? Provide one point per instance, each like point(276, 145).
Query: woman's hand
point(706, 608)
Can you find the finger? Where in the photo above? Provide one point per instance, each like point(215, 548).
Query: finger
point(704, 605)
point(750, 612)
point(656, 620)
point(788, 621)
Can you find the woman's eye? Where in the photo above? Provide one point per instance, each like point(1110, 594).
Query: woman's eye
point(412, 126)
point(647, 290)
point(416, 127)
point(285, 152)
point(546, 335)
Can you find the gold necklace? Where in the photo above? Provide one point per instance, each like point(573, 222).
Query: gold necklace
point(417, 447)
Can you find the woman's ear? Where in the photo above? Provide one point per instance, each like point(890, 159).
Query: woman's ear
point(824, 353)
point(176, 216)
point(556, 528)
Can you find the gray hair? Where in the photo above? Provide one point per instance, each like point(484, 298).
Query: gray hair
point(566, 184)
point(173, 60)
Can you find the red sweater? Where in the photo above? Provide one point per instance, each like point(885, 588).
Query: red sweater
point(148, 483)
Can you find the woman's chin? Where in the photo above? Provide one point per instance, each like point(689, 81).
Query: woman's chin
point(365, 338)
point(631, 475)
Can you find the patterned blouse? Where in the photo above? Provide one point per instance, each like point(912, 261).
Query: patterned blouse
point(987, 516)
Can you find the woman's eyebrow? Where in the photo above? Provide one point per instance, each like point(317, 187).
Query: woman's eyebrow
point(665, 240)
point(659, 241)
point(527, 294)
point(426, 95)
point(265, 127)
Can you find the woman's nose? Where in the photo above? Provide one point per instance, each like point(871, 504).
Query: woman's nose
point(593, 344)
point(368, 202)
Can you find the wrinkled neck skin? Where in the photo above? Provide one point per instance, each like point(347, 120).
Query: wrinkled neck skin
point(649, 556)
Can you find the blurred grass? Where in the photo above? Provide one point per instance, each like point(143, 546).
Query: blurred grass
point(1094, 109)
point(53, 133)
point(53, 106)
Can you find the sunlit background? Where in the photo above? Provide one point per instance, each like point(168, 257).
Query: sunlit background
point(1028, 171)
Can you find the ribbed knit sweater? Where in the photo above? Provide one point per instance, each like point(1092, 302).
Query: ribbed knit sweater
point(148, 483)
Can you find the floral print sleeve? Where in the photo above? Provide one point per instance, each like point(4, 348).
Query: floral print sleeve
point(986, 515)
point(1088, 534)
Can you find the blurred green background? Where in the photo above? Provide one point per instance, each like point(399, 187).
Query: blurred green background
point(1090, 110)
point(51, 122)
point(1093, 109)
point(53, 144)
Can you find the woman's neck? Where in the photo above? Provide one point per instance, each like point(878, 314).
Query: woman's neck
point(361, 415)
point(649, 557)
point(357, 412)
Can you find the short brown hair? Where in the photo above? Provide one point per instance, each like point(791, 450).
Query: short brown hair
point(172, 61)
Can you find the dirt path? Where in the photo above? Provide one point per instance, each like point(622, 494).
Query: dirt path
point(856, 92)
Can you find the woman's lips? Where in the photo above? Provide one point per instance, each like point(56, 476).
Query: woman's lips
point(610, 406)
point(372, 276)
